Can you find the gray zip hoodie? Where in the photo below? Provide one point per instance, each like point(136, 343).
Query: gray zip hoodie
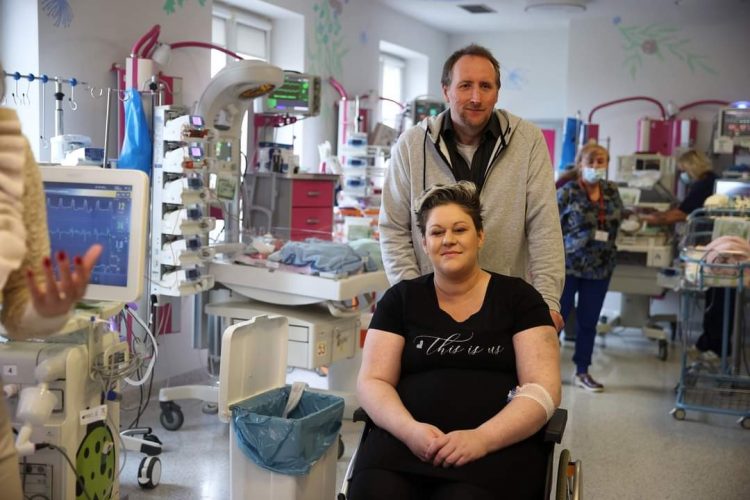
point(521, 220)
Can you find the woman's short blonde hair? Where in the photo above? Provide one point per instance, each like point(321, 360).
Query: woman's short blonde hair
point(587, 151)
point(695, 163)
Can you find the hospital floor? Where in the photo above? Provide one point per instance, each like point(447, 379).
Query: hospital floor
point(630, 446)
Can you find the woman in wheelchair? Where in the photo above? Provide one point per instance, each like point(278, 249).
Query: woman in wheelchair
point(460, 372)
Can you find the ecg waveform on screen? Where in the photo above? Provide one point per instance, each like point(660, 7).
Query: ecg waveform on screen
point(77, 222)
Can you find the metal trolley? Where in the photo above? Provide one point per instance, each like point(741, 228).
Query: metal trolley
point(717, 384)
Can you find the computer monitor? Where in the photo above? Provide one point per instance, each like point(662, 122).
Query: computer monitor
point(88, 205)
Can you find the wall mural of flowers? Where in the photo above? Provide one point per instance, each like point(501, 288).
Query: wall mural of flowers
point(170, 6)
point(660, 42)
point(326, 49)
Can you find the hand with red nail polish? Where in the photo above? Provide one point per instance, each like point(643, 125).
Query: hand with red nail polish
point(55, 297)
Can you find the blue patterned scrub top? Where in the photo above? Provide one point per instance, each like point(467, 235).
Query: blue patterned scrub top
point(585, 257)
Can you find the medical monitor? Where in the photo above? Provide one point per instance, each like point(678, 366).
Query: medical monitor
point(734, 122)
point(88, 205)
point(298, 96)
point(732, 187)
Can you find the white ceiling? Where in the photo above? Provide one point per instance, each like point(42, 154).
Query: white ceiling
point(446, 15)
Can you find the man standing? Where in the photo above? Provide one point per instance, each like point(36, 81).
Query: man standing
point(505, 156)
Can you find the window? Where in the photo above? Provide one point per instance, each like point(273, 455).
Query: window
point(247, 35)
point(239, 31)
point(391, 88)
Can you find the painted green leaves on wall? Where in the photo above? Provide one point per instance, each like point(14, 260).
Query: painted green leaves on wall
point(662, 43)
point(327, 49)
point(171, 5)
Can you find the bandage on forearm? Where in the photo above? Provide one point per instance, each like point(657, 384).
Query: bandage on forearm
point(534, 392)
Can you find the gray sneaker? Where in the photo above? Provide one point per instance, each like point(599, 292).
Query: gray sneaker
point(587, 382)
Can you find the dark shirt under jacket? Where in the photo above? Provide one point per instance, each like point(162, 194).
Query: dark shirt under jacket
point(481, 160)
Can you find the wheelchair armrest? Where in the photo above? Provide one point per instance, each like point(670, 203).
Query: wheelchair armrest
point(360, 415)
point(554, 429)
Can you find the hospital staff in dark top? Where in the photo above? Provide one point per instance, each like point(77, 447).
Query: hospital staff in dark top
point(696, 171)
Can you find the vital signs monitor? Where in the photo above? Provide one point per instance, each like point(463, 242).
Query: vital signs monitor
point(88, 205)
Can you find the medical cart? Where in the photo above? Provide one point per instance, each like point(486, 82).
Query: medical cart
point(716, 384)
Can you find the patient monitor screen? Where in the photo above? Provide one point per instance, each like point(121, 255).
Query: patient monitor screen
point(79, 215)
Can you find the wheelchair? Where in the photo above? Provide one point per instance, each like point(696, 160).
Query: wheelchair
point(567, 486)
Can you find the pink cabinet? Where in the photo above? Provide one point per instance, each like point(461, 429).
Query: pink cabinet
point(301, 205)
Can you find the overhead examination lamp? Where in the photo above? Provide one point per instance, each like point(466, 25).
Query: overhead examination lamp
point(229, 93)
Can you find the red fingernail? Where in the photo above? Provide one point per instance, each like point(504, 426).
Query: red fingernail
point(78, 260)
point(60, 255)
point(29, 273)
point(47, 262)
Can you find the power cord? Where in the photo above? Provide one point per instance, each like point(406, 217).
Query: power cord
point(70, 463)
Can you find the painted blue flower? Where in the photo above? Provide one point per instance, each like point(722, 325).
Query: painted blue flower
point(59, 10)
point(616, 20)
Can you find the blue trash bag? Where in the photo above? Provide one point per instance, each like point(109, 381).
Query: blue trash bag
point(136, 147)
point(290, 445)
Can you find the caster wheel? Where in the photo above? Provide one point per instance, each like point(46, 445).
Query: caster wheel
point(171, 417)
point(663, 350)
point(678, 413)
point(210, 408)
point(341, 447)
point(744, 422)
point(149, 473)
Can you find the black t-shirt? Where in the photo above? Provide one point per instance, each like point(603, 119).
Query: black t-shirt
point(456, 375)
point(698, 192)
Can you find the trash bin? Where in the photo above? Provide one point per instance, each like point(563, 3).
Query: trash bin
point(271, 457)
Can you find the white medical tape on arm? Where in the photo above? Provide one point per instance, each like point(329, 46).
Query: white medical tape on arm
point(536, 392)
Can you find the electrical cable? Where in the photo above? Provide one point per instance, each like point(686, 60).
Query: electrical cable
point(72, 467)
point(155, 354)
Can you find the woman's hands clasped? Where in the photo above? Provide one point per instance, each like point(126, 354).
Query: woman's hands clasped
point(454, 449)
point(457, 448)
point(421, 438)
point(55, 298)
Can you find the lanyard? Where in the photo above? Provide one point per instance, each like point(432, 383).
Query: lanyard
point(601, 217)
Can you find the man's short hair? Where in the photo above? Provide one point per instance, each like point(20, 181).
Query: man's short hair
point(470, 50)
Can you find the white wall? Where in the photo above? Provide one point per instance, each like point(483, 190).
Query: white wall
point(533, 69)
point(23, 57)
point(598, 72)
point(100, 34)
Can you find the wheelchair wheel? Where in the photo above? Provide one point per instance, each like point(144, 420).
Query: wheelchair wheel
point(563, 490)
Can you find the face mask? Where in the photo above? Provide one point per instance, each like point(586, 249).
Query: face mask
point(685, 178)
point(592, 175)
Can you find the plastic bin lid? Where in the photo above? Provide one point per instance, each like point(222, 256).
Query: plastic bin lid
point(253, 360)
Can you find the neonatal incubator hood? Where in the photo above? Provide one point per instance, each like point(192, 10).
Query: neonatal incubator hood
point(238, 81)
